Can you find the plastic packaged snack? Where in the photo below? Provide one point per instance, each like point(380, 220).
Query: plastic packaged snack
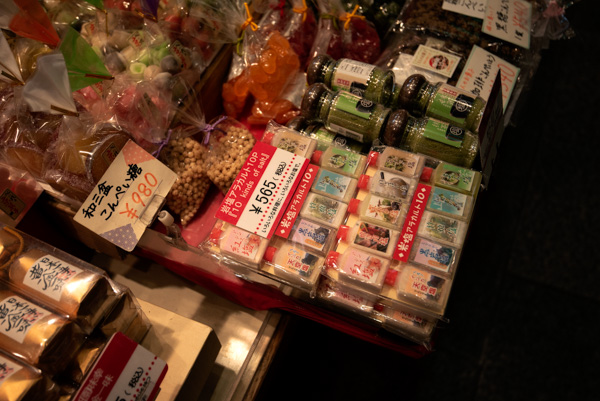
point(374, 238)
point(442, 228)
point(450, 203)
point(10, 245)
point(44, 339)
point(386, 184)
point(229, 145)
point(455, 178)
point(359, 268)
point(379, 210)
point(23, 382)
point(18, 192)
point(407, 323)
point(316, 237)
point(345, 297)
point(340, 160)
point(397, 161)
point(434, 255)
point(294, 262)
point(324, 209)
point(288, 139)
point(237, 243)
point(332, 184)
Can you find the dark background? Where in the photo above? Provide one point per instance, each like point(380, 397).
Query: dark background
point(524, 303)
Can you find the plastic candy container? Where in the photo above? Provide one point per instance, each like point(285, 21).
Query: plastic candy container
point(362, 79)
point(388, 184)
point(442, 228)
point(318, 237)
point(379, 210)
point(407, 323)
point(434, 255)
point(21, 381)
point(377, 239)
point(287, 139)
point(241, 245)
point(397, 161)
point(359, 268)
point(341, 161)
point(450, 203)
point(431, 137)
point(442, 101)
point(294, 262)
point(422, 288)
point(346, 297)
point(456, 178)
point(337, 186)
point(328, 211)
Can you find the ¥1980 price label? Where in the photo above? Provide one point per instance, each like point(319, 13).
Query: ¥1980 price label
point(263, 188)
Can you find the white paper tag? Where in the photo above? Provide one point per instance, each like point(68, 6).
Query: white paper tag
point(18, 316)
point(49, 275)
point(471, 8)
point(509, 20)
point(480, 71)
point(127, 197)
point(435, 60)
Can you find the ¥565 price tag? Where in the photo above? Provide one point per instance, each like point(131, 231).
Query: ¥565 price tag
point(127, 197)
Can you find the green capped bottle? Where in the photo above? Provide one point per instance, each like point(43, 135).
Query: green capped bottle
point(362, 79)
point(345, 113)
point(431, 137)
point(441, 101)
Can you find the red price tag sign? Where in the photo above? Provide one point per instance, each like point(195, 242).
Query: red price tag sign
point(411, 223)
point(262, 190)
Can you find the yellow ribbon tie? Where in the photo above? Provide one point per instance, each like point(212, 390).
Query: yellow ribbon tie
point(249, 20)
point(348, 17)
point(302, 10)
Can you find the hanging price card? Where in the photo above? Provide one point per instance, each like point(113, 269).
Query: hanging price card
point(509, 20)
point(127, 197)
point(471, 8)
point(262, 190)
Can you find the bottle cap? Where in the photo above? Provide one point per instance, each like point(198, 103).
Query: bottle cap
point(395, 128)
point(426, 174)
point(269, 253)
point(390, 277)
point(353, 205)
point(268, 137)
point(297, 123)
point(410, 90)
point(311, 101)
point(316, 156)
point(315, 72)
point(332, 258)
point(373, 158)
point(342, 232)
point(363, 181)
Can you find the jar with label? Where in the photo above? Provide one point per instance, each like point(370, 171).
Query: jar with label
point(347, 114)
point(310, 234)
point(397, 161)
point(388, 184)
point(442, 101)
point(431, 137)
point(294, 263)
point(239, 244)
point(287, 139)
point(340, 160)
point(362, 79)
point(324, 137)
point(379, 210)
point(372, 237)
point(324, 209)
point(332, 184)
point(358, 268)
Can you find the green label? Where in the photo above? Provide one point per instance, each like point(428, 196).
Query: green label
point(444, 133)
point(355, 105)
point(451, 104)
point(343, 160)
point(456, 176)
point(323, 135)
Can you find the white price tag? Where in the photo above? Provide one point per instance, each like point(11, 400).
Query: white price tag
point(509, 20)
point(471, 8)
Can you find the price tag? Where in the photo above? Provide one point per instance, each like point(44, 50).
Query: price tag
point(411, 222)
point(124, 371)
point(435, 60)
point(472, 8)
point(480, 72)
point(262, 190)
point(127, 197)
point(509, 20)
point(291, 214)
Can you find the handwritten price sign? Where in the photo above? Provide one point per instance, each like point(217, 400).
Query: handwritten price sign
point(127, 197)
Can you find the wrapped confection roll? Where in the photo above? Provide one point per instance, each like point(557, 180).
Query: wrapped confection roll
point(41, 338)
point(22, 382)
point(126, 317)
point(10, 243)
point(85, 358)
point(76, 291)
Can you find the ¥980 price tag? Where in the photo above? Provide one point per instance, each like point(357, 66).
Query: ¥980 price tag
point(127, 197)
